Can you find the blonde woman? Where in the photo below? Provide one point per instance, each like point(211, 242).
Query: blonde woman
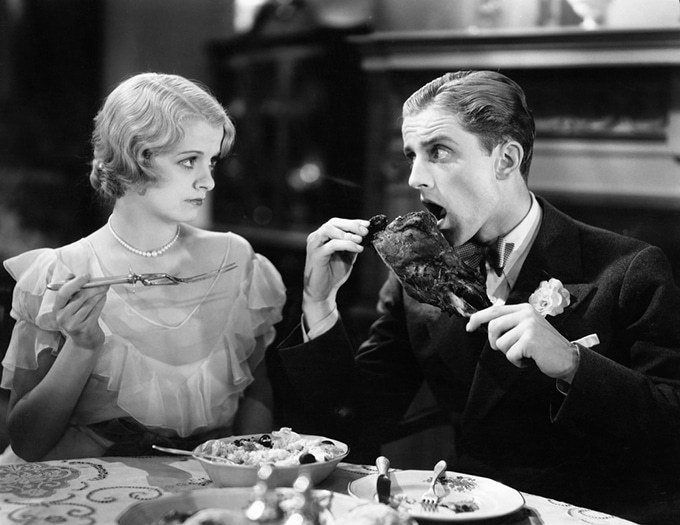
point(111, 370)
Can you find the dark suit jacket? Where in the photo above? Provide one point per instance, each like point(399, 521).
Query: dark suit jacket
point(613, 443)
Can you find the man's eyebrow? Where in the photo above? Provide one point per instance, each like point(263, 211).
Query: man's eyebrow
point(437, 138)
point(431, 140)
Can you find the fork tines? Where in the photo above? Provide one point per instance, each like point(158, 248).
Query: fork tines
point(430, 505)
point(165, 279)
point(429, 501)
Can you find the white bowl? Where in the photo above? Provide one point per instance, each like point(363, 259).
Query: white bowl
point(232, 475)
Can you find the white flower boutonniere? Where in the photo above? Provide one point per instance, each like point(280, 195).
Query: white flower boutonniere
point(550, 298)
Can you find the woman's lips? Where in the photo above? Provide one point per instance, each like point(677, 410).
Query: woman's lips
point(196, 202)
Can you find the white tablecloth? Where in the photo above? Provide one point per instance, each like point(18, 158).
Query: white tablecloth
point(97, 490)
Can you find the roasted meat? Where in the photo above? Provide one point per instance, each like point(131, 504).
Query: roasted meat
point(426, 265)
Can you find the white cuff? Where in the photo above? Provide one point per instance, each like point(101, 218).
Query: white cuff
point(321, 327)
point(563, 386)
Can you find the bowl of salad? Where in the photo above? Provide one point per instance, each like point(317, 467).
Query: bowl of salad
point(235, 460)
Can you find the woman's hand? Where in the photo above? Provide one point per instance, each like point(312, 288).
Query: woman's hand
point(43, 400)
point(331, 252)
point(77, 312)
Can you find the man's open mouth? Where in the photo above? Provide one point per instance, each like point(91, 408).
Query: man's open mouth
point(435, 209)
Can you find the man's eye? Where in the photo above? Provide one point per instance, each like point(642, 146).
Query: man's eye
point(410, 157)
point(439, 153)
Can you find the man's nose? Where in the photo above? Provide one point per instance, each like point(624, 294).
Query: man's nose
point(419, 176)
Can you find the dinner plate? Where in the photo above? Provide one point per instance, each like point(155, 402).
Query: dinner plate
point(231, 499)
point(463, 497)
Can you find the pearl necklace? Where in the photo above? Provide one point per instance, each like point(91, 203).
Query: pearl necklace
point(149, 253)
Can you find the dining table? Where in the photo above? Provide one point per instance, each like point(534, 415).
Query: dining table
point(99, 490)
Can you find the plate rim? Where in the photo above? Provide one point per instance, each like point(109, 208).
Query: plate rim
point(206, 493)
point(463, 516)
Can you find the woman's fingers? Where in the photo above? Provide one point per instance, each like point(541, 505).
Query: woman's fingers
point(77, 309)
point(80, 318)
point(68, 290)
point(85, 301)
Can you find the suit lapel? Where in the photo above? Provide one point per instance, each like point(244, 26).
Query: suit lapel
point(442, 330)
point(555, 253)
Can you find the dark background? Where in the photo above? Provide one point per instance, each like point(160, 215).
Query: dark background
point(298, 95)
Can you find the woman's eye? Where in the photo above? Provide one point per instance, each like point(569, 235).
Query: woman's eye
point(188, 163)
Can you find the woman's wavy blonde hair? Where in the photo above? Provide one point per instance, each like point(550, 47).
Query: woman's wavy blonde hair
point(142, 116)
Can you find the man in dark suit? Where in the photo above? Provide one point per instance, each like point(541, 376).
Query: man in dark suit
point(569, 385)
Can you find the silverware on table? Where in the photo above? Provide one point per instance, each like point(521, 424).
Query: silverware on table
point(181, 452)
point(384, 483)
point(147, 279)
point(429, 500)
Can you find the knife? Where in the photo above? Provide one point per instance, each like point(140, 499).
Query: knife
point(384, 483)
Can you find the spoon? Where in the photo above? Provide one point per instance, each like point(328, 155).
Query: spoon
point(181, 452)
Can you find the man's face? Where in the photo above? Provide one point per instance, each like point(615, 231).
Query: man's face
point(455, 176)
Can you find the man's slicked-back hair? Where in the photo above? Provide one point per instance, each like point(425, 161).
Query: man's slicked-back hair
point(486, 103)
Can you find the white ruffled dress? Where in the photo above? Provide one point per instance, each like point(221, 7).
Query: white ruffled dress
point(175, 358)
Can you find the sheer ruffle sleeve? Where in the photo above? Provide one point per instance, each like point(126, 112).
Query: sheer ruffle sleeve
point(256, 310)
point(149, 367)
point(174, 357)
point(35, 329)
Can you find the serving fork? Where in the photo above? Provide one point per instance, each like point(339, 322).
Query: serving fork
point(147, 279)
point(429, 500)
point(181, 452)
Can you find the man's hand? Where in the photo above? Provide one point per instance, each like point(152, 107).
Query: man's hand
point(77, 311)
point(520, 332)
point(331, 252)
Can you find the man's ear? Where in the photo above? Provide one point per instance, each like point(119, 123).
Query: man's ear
point(510, 155)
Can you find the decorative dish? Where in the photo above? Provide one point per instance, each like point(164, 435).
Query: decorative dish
point(290, 454)
point(462, 497)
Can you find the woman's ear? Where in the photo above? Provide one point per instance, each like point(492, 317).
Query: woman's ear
point(145, 158)
point(510, 155)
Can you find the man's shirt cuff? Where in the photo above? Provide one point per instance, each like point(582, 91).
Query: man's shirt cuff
point(563, 386)
point(319, 328)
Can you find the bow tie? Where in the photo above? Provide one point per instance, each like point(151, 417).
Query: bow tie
point(476, 255)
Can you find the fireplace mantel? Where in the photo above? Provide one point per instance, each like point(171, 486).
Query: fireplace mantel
point(510, 49)
point(606, 103)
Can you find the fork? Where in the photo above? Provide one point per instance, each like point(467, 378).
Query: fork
point(147, 279)
point(429, 500)
point(178, 451)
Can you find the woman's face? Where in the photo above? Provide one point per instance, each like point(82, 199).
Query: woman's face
point(185, 173)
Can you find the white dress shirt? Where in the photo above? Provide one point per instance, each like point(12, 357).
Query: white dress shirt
point(522, 236)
